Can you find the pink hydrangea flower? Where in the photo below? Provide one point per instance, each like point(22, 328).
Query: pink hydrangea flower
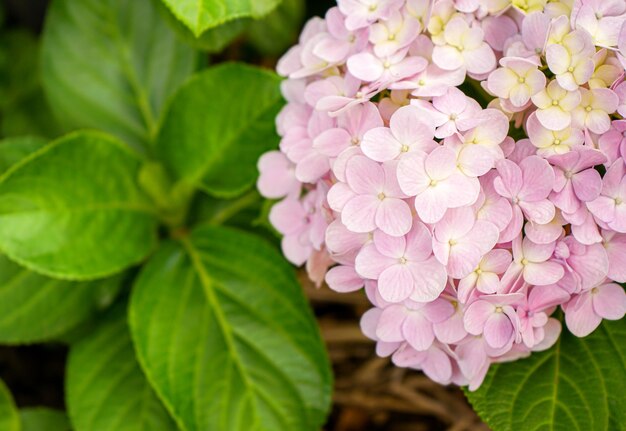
point(519, 207)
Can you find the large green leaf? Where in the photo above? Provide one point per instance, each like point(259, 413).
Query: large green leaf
point(111, 65)
point(201, 15)
point(37, 308)
point(9, 418)
point(576, 385)
point(225, 335)
point(74, 209)
point(43, 419)
point(13, 150)
point(106, 390)
point(218, 125)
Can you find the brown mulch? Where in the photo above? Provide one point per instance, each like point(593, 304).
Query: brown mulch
point(370, 393)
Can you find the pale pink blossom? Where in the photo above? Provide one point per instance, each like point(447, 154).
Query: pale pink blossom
point(517, 80)
point(464, 48)
point(534, 263)
point(451, 112)
point(435, 182)
point(610, 206)
point(393, 34)
point(361, 13)
point(386, 70)
point(409, 130)
point(552, 142)
point(404, 266)
point(486, 276)
point(584, 313)
point(571, 59)
point(527, 186)
point(277, 176)
point(460, 241)
point(494, 318)
point(615, 246)
point(412, 322)
point(376, 200)
point(555, 105)
point(575, 179)
point(595, 107)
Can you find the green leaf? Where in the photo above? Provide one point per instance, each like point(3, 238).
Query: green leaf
point(106, 390)
point(9, 418)
point(201, 15)
point(213, 40)
point(226, 337)
point(74, 209)
point(44, 419)
point(36, 308)
point(218, 125)
point(576, 385)
point(275, 33)
point(13, 150)
point(111, 65)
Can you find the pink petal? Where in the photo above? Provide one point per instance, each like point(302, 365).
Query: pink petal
point(394, 217)
point(332, 142)
point(430, 206)
point(364, 176)
point(542, 274)
point(437, 366)
point(380, 145)
point(370, 263)
point(430, 280)
point(411, 173)
point(616, 251)
point(609, 302)
point(365, 67)
point(541, 212)
point(418, 243)
point(409, 124)
point(440, 163)
point(538, 178)
point(580, 317)
point(390, 246)
point(587, 185)
point(389, 325)
point(476, 316)
point(496, 261)
point(498, 330)
point(395, 284)
point(343, 279)
point(418, 331)
point(451, 330)
point(359, 213)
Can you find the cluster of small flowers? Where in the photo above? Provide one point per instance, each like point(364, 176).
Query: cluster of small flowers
point(466, 231)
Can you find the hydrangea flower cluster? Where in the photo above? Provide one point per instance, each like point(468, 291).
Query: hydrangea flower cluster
point(467, 225)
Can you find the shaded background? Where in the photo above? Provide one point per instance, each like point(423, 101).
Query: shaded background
point(370, 394)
